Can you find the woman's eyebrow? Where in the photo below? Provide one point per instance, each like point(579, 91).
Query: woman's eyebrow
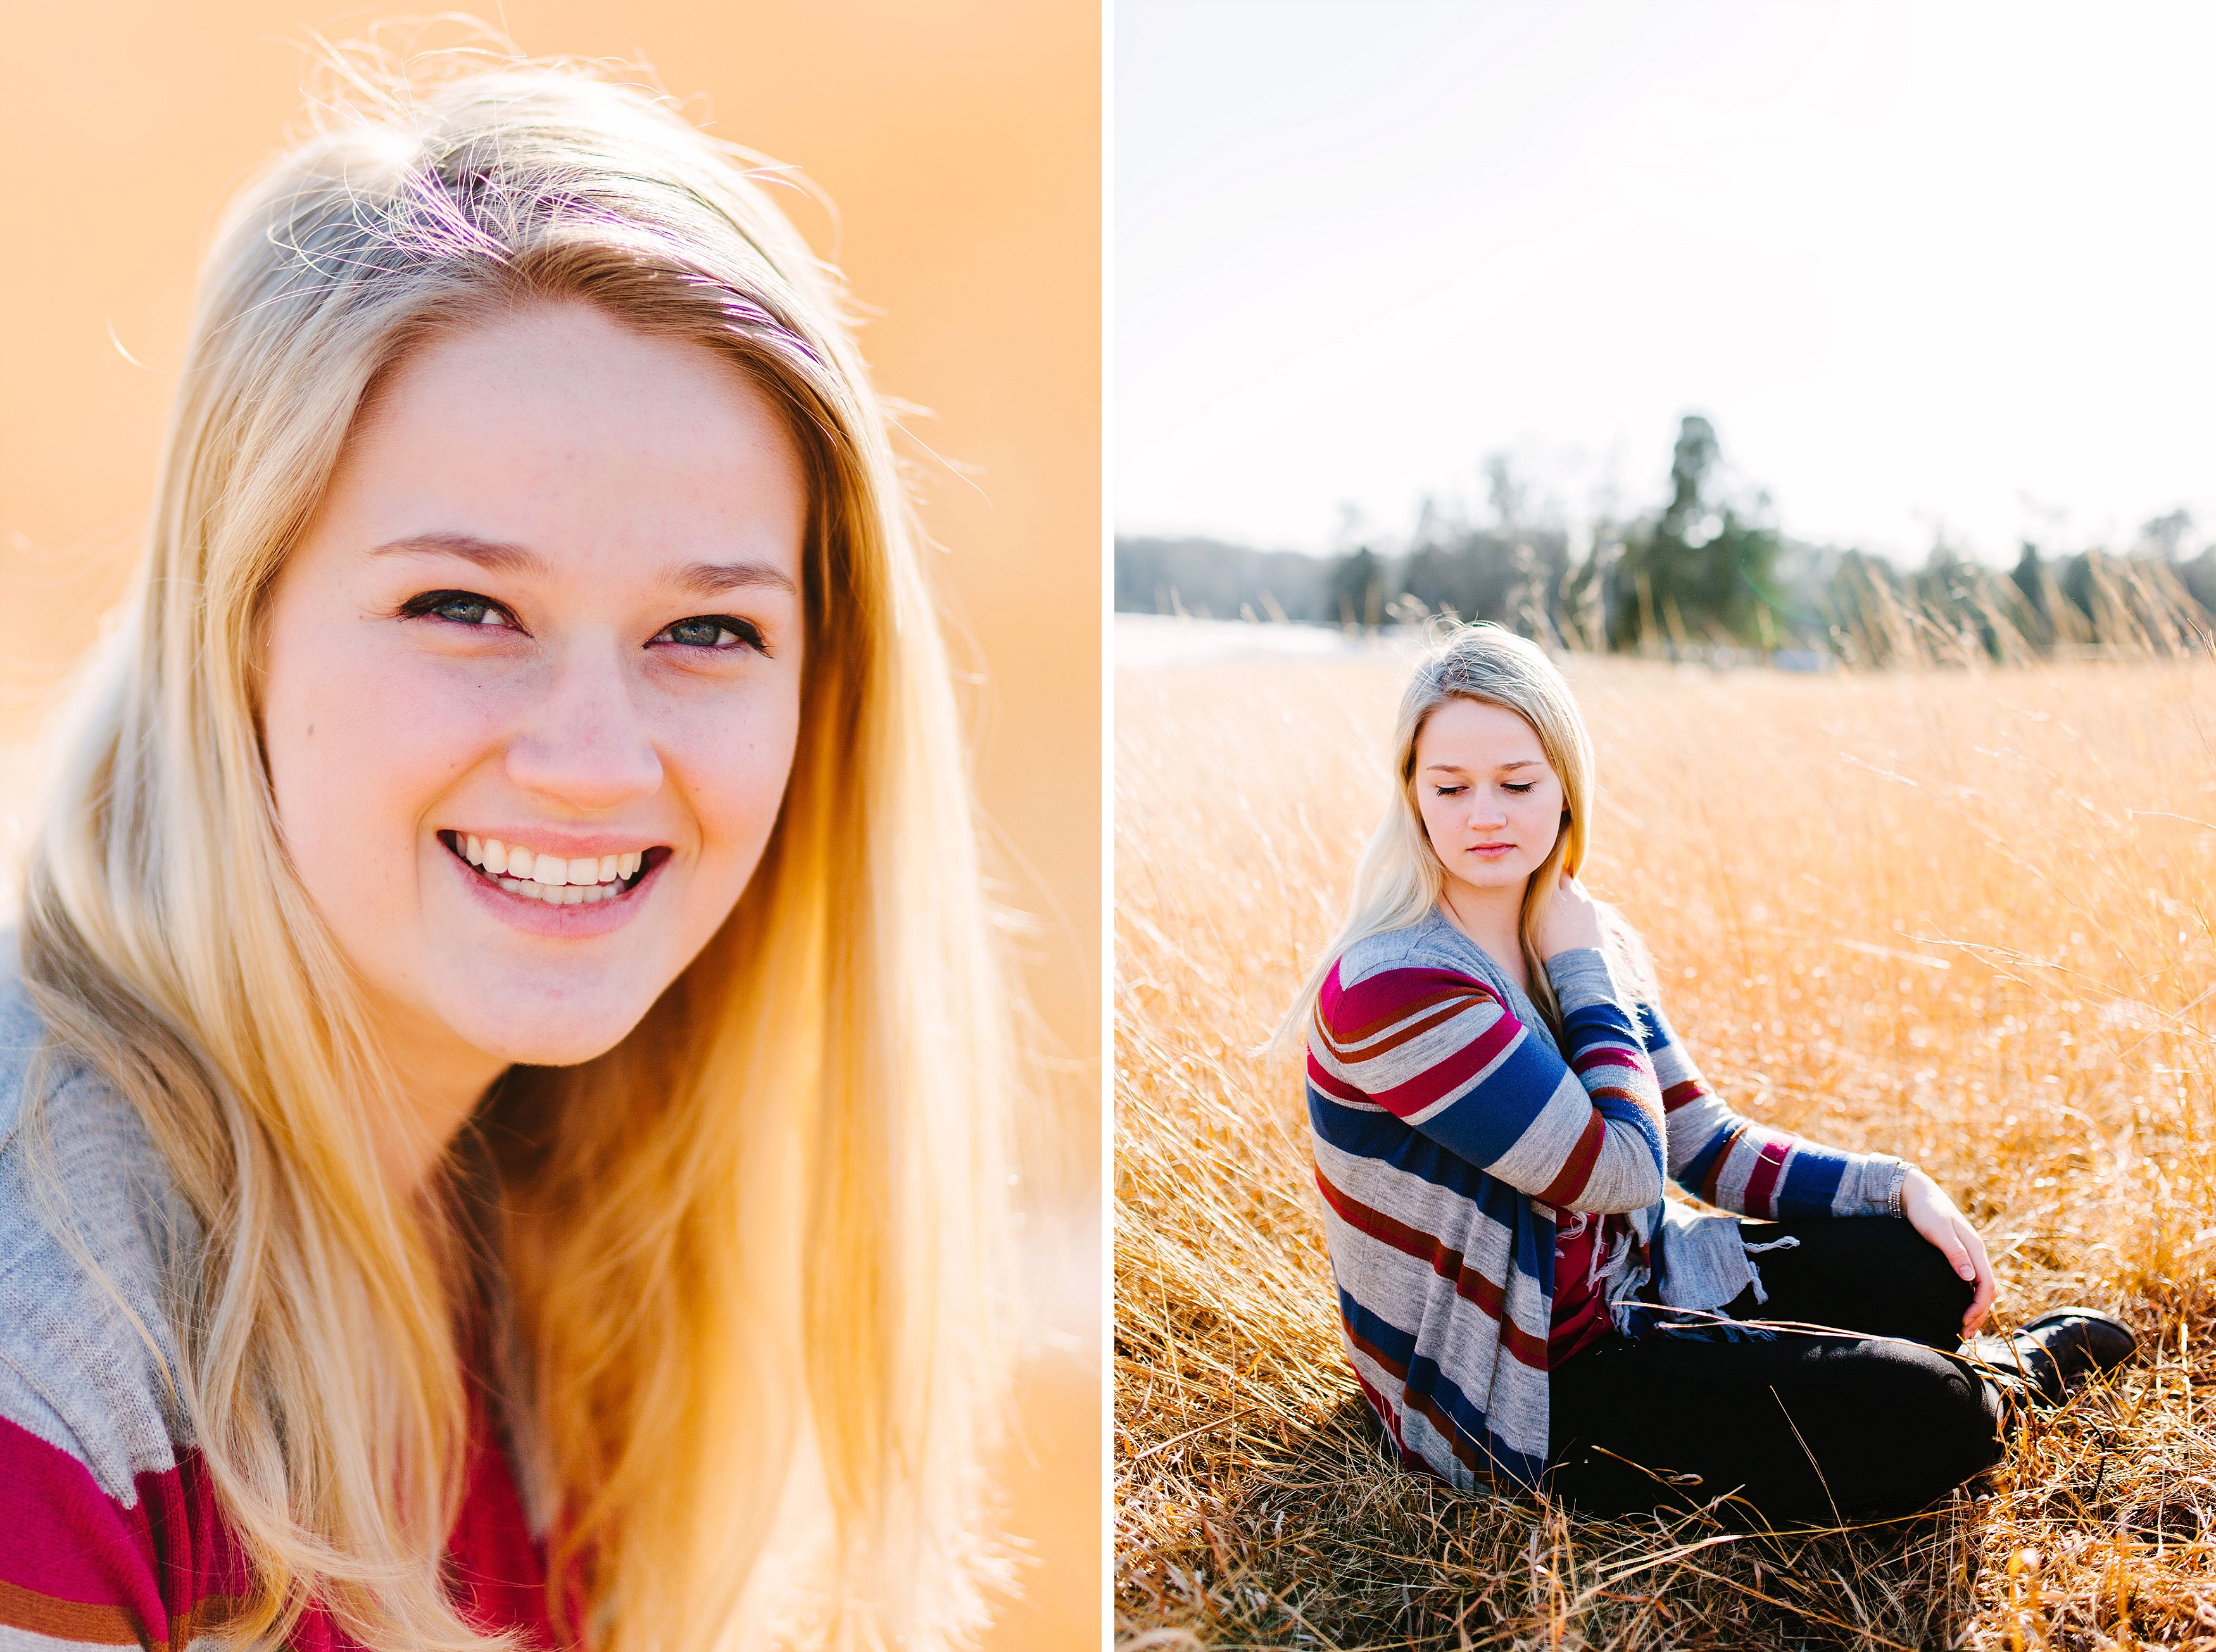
point(499, 556)
point(495, 555)
point(711, 578)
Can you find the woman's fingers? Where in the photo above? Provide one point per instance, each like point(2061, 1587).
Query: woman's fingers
point(1949, 1241)
point(1987, 1287)
point(1933, 1215)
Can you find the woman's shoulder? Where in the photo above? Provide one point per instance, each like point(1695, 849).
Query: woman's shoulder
point(1430, 943)
point(76, 1374)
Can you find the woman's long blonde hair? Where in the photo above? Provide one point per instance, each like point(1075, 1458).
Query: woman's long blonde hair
point(749, 1254)
point(1400, 880)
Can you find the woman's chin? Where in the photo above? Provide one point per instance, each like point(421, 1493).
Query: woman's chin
point(1491, 877)
point(551, 1032)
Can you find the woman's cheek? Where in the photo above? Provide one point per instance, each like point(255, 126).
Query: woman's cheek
point(737, 778)
point(374, 752)
point(1430, 830)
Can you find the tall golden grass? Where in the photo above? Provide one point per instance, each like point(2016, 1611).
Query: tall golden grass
point(1960, 915)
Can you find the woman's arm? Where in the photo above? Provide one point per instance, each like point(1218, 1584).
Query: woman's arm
point(1439, 1050)
point(1774, 1174)
point(1739, 1165)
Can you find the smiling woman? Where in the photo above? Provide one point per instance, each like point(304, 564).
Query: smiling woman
point(501, 1139)
point(509, 547)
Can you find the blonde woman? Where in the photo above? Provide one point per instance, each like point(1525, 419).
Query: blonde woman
point(502, 1091)
point(1496, 1101)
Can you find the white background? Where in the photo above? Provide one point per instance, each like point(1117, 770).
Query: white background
point(1930, 268)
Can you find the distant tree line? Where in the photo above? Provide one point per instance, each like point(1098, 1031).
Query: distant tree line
point(1704, 572)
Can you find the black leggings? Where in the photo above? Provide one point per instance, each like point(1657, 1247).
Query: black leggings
point(1806, 1426)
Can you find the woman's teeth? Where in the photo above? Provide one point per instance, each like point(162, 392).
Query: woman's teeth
point(549, 877)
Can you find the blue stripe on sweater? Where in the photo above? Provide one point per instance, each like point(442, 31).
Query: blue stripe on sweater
point(1812, 1181)
point(1379, 1136)
point(1617, 1110)
point(1598, 1024)
point(1426, 1380)
point(1695, 1176)
point(1653, 1030)
point(1493, 1117)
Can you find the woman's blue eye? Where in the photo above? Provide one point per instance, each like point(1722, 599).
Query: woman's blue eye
point(460, 608)
point(721, 631)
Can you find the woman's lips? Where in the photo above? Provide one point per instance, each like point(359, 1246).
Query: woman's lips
point(1491, 851)
point(538, 917)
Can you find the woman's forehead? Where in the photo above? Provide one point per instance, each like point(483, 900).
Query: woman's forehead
point(1472, 733)
point(557, 436)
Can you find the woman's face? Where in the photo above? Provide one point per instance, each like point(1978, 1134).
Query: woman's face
point(1491, 803)
point(532, 682)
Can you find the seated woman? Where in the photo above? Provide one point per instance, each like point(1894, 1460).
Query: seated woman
point(1496, 1098)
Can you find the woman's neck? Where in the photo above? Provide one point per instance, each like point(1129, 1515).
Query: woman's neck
point(1493, 918)
point(441, 1083)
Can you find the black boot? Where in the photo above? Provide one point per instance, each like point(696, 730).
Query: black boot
point(2040, 1359)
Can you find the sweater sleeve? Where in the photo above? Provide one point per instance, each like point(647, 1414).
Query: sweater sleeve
point(1739, 1165)
point(1440, 1051)
point(79, 1567)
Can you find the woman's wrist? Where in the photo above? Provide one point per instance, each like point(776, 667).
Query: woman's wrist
point(1580, 977)
point(1903, 1179)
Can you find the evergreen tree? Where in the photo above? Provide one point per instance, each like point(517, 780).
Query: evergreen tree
point(1357, 587)
point(1702, 568)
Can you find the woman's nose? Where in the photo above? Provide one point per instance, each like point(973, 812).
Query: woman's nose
point(586, 746)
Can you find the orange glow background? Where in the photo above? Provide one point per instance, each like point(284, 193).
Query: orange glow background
point(959, 141)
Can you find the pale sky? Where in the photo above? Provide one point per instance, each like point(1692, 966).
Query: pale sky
point(1924, 266)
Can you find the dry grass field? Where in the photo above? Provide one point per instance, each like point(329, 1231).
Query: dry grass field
point(1963, 916)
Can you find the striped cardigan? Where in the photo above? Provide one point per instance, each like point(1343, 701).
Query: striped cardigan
point(113, 1535)
point(1448, 1127)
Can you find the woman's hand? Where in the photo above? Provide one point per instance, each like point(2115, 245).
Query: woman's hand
point(1932, 1214)
point(1568, 921)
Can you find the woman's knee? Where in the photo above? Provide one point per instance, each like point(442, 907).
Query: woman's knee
point(1942, 1421)
point(1933, 1297)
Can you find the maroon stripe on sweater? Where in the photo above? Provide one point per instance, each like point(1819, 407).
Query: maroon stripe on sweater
point(75, 1554)
point(1603, 1055)
point(1731, 1134)
point(1469, 1284)
point(76, 1564)
point(1577, 1169)
point(1762, 1181)
point(1424, 1405)
point(1368, 1007)
point(1438, 1016)
point(1451, 1072)
point(1678, 1095)
point(1331, 1084)
point(66, 1620)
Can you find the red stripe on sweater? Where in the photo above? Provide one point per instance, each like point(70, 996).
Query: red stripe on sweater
point(1331, 1084)
point(1451, 1072)
point(1678, 1095)
point(79, 1565)
point(1356, 1014)
point(1469, 1284)
point(1577, 1169)
point(1603, 1055)
point(1763, 1179)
